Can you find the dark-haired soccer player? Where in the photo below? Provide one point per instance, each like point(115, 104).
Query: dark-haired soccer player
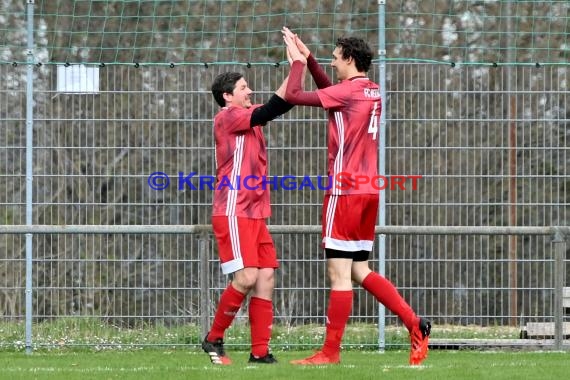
point(350, 207)
point(245, 246)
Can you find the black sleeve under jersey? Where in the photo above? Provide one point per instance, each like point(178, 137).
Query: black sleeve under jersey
point(274, 107)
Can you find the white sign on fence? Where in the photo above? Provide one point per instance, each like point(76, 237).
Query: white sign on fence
point(78, 79)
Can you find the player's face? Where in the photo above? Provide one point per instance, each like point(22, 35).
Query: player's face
point(240, 97)
point(339, 64)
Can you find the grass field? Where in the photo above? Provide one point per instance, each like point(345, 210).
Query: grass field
point(82, 348)
point(361, 365)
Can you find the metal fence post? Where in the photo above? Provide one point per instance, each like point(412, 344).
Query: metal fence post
point(559, 282)
point(29, 171)
point(203, 244)
point(382, 164)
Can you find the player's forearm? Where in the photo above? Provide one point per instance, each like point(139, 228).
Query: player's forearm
point(275, 106)
point(319, 76)
point(295, 93)
point(282, 89)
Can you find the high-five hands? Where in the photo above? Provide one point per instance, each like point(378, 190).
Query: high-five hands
point(302, 47)
point(296, 49)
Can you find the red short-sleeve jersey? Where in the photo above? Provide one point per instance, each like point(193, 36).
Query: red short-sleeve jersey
point(354, 108)
point(240, 152)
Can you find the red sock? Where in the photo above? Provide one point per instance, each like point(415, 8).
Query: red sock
point(387, 294)
point(340, 306)
point(228, 306)
point(261, 323)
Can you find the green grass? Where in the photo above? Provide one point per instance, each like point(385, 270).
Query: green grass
point(87, 348)
point(93, 333)
point(361, 365)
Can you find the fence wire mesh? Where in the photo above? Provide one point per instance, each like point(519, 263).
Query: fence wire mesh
point(93, 154)
point(477, 107)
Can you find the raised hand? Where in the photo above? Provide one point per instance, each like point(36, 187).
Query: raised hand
point(300, 45)
point(293, 51)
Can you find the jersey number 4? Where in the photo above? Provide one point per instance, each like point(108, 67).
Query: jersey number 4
point(374, 117)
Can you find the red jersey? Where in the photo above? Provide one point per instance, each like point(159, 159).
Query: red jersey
point(240, 152)
point(354, 108)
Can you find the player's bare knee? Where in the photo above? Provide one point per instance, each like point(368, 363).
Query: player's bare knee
point(339, 279)
point(246, 279)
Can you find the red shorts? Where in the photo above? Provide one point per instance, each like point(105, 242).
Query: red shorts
point(349, 221)
point(243, 242)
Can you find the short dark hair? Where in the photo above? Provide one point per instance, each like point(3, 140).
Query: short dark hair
point(358, 49)
point(224, 84)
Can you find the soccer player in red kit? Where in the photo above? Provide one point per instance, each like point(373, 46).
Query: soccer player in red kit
point(240, 208)
point(350, 207)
